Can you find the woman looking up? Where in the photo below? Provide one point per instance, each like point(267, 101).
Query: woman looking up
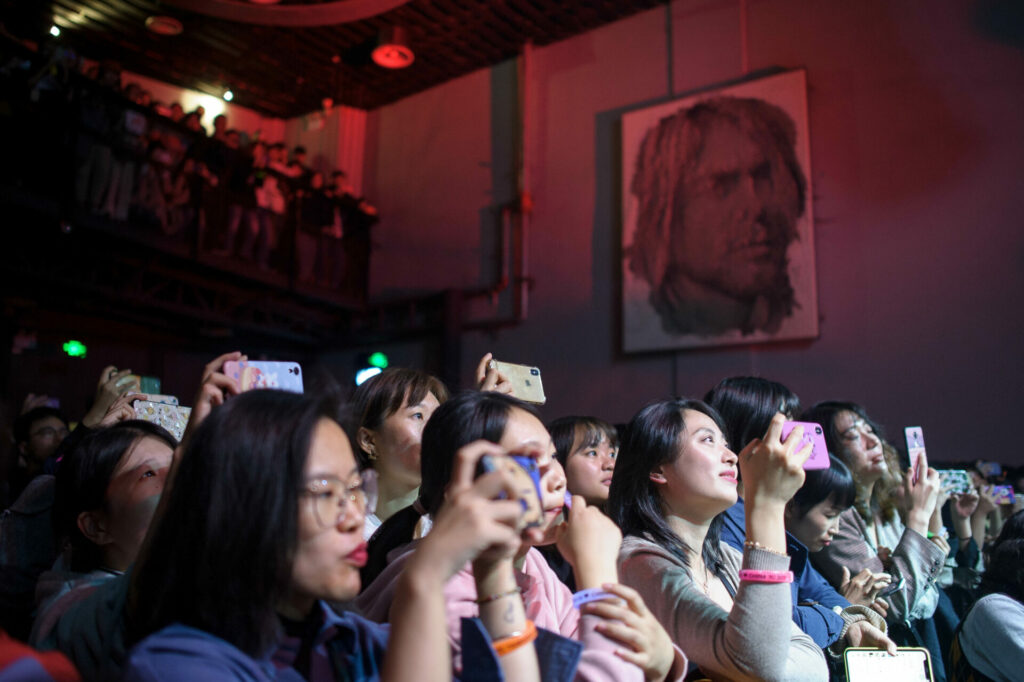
point(730, 612)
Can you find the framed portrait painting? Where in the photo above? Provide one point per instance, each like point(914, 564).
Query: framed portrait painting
point(717, 238)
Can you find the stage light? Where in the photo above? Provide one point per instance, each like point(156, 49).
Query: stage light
point(74, 349)
point(228, 95)
point(378, 359)
point(55, 31)
point(366, 373)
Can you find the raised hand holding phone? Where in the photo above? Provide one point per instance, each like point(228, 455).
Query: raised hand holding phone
point(923, 490)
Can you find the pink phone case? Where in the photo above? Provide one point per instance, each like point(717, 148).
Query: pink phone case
point(814, 435)
point(915, 447)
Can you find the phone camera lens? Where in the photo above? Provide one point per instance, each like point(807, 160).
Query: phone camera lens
point(817, 430)
point(535, 372)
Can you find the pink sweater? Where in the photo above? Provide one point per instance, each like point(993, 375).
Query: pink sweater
point(548, 603)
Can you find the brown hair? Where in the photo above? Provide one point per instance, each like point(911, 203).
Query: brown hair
point(381, 396)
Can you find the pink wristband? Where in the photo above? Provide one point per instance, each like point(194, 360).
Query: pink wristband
point(752, 576)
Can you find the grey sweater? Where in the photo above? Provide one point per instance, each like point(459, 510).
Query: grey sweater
point(756, 640)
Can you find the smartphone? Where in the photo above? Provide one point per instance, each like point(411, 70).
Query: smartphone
point(1003, 494)
point(145, 384)
point(159, 398)
point(915, 447)
point(250, 374)
point(174, 418)
point(892, 588)
point(955, 481)
point(814, 435)
point(525, 380)
point(526, 477)
point(910, 664)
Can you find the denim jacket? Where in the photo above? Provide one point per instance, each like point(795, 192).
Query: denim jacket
point(347, 647)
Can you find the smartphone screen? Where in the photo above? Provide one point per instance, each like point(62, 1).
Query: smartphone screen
point(915, 447)
point(955, 481)
point(910, 664)
point(814, 435)
point(1003, 494)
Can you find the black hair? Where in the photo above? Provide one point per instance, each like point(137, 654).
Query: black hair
point(820, 484)
point(588, 431)
point(1005, 570)
point(381, 396)
point(747, 404)
point(299, 149)
point(23, 424)
point(467, 417)
point(234, 498)
point(634, 502)
point(84, 476)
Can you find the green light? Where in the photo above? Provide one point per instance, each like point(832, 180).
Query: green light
point(378, 359)
point(75, 349)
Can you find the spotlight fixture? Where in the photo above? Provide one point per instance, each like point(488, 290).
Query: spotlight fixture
point(55, 31)
point(228, 95)
point(393, 51)
point(164, 25)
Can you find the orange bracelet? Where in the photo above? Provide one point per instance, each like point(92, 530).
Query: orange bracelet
point(509, 644)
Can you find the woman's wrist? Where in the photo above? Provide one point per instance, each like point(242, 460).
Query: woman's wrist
point(493, 576)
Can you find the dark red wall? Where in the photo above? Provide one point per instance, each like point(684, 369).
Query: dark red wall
point(916, 143)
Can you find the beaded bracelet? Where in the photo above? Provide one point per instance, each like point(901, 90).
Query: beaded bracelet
point(501, 595)
point(752, 576)
point(509, 644)
point(750, 544)
point(594, 594)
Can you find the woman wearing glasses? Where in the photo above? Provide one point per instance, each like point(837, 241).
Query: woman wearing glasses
point(263, 525)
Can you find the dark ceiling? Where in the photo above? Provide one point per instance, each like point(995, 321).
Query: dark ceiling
point(284, 71)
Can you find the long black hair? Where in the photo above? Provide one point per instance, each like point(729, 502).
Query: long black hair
point(747, 405)
point(83, 478)
point(634, 502)
point(219, 554)
point(819, 484)
point(469, 416)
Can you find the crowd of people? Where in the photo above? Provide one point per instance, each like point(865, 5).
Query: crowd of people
point(388, 535)
point(150, 167)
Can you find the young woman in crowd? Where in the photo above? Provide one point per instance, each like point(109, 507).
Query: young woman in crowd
point(107, 491)
point(990, 644)
point(586, 448)
point(271, 477)
point(632, 648)
point(873, 535)
point(747, 406)
point(392, 409)
point(730, 612)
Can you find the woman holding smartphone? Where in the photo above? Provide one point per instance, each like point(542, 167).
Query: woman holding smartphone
point(620, 639)
point(270, 477)
point(729, 611)
point(872, 534)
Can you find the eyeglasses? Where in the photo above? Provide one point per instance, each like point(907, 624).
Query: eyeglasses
point(334, 500)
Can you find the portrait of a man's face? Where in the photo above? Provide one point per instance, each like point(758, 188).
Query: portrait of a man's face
point(715, 199)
